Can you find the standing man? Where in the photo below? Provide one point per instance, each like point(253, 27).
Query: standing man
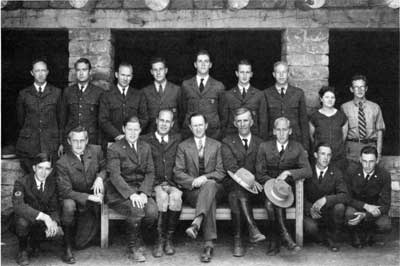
point(38, 112)
point(203, 94)
point(198, 171)
point(168, 197)
point(284, 160)
point(240, 151)
point(119, 103)
point(288, 101)
point(81, 171)
point(245, 95)
point(325, 194)
point(131, 168)
point(162, 94)
point(370, 191)
point(80, 103)
point(36, 207)
point(366, 123)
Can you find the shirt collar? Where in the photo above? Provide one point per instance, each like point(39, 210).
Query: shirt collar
point(203, 141)
point(279, 146)
point(120, 89)
point(163, 84)
point(38, 182)
point(84, 86)
point(278, 88)
point(245, 87)
point(205, 79)
point(248, 139)
point(134, 145)
point(42, 86)
point(357, 101)
point(318, 171)
point(159, 137)
point(370, 175)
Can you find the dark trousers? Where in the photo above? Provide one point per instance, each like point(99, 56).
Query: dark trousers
point(370, 224)
point(24, 228)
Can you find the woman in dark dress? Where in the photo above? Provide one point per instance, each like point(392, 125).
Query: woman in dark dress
point(329, 125)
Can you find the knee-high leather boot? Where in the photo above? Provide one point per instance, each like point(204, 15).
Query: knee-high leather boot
point(22, 257)
point(161, 224)
point(134, 243)
point(291, 245)
point(238, 250)
point(255, 234)
point(274, 242)
point(68, 257)
point(173, 219)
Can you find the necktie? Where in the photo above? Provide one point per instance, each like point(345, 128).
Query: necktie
point(243, 93)
point(282, 92)
point(201, 87)
point(40, 91)
point(81, 157)
point(134, 149)
point(80, 91)
point(246, 146)
point(123, 92)
point(200, 148)
point(367, 178)
point(282, 151)
point(160, 91)
point(163, 142)
point(321, 175)
point(362, 124)
point(41, 189)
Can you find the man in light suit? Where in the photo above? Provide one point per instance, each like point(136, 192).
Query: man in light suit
point(130, 164)
point(198, 171)
point(203, 94)
point(162, 94)
point(81, 171)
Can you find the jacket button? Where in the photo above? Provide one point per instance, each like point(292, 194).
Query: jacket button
point(80, 106)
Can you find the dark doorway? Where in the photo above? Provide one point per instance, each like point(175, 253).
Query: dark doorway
point(374, 54)
point(262, 48)
point(19, 49)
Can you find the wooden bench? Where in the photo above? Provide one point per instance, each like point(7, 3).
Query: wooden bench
point(222, 214)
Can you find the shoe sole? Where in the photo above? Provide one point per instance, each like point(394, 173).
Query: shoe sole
point(257, 239)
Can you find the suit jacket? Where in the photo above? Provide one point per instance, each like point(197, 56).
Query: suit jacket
point(254, 101)
point(376, 191)
point(130, 172)
point(291, 106)
point(74, 179)
point(270, 164)
point(208, 103)
point(163, 157)
point(170, 99)
point(332, 187)
point(28, 201)
point(187, 162)
point(114, 109)
point(39, 120)
point(81, 111)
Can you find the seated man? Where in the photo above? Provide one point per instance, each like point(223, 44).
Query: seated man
point(286, 160)
point(199, 170)
point(168, 197)
point(81, 171)
point(240, 151)
point(370, 195)
point(131, 169)
point(35, 206)
point(325, 194)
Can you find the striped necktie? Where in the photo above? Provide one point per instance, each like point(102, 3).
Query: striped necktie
point(362, 124)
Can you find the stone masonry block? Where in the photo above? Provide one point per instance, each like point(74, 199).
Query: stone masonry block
point(134, 4)
point(181, 4)
point(306, 47)
point(306, 59)
point(60, 4)
point(71, 75)
point(103, 60)
point(90, 34)
point(109, 4)
point(308, 72)
point(346, 3)
point(78, 48)
point(292, 36)
point(99, 47)
point(317, 35)
point(35, 4)
point(106, 85)
point(262, 4)
point(208, 4)
point(103, 73)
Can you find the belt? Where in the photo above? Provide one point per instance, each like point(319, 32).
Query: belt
point(363, 141)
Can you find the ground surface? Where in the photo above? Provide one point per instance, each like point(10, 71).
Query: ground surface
point(188, 253)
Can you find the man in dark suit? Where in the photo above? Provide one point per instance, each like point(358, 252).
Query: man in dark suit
point(131, 168)
point(198, 171)
point(168, 197)
point(245, 95)
point(162, 94)
point(38, 113)
point(288, 101)
point(282, 159)
point(240, 150)
point(325, 194)
point(36, 207)
point(119, 103)
point(203, 94)
point(81, 171)
point(80, 103)
point(370, 191)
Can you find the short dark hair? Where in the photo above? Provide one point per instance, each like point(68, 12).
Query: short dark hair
point(37, 60)
point(325, 89)
point(197, 114)
point(244, 62)
point(154, 60)
point(242, 110)
point(42, 157)
point(322, 144)
point(132, 119)
point(125, 64)
point(78, 129)
point(202, 52)
point(83, 60)
point(359, 77)
point(369, 150)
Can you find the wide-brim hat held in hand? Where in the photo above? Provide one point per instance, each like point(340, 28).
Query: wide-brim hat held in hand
point(279, 192)
point(245, 179)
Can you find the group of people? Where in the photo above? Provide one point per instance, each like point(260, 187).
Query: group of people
point(145, 152)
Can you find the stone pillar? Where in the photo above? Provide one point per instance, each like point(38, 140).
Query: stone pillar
point(96, 45)
point(306, 51)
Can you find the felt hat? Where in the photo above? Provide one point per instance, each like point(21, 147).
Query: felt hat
point(279, 192)
point(245, 179)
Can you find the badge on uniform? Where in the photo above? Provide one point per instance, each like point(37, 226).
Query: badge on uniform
point(174, 110)
point(18, 193)
point(212, 101)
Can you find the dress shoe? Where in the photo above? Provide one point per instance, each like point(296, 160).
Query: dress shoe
point(258, 237)
point(291, 245)
point(371, 240)
point(356, 241)
point(169, 246)
point(137, 255)
point(22, 258)
point(238, 250)
point(192, 231)
point(68, 257)
point(333, 246)
point(207, 254)
point(273, 247)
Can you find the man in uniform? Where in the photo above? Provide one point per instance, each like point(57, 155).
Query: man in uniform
point(203, 94)
point(81, 171)
point(198, 171)
point(131, 168)
point(164, 144)
point(38, 113)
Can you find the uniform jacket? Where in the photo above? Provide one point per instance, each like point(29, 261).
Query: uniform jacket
point(28, 201)
point(332, 187)
point(291, 106)
point(270, 164)
point(254, 101)
point(163, 157)
point(129, 172)
point(114, 109)
point(209, 103)
point(171, 99)
point(187, 162)
point(376, 191)
point(81, 111)
point(74, 179)
point(39, 121)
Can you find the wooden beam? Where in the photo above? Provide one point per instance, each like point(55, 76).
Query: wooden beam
point(379, 18)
